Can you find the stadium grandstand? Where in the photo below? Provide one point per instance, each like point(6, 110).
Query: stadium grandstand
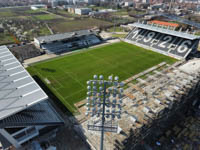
point(24, 107)
point(66, 42)
point(151, 106)
point(163, 39)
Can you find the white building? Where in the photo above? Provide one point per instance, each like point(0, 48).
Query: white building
point(156, 6)
point(146, 1)
point(35, 7)
point(82, 11)
point(181, 1)
point(127, 4)
point(102, 11)
point(89, 1)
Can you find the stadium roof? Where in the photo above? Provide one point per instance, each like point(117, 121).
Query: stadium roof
point(166, 31)
point(62, 36)
point(18, 90)
point(181, 20)
point(164, 23)
point(40, 114)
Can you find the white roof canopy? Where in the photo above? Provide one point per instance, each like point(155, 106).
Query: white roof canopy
point(18, 90)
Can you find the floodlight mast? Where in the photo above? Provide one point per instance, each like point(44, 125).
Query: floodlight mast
point(103, 116)
point(104, 104)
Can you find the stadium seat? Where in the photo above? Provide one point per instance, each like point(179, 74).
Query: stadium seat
point(163, 43)
point(70, 44)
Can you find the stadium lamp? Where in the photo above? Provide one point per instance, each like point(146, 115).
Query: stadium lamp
point(104, 100)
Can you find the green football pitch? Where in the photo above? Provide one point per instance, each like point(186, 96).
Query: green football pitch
point(66, 76)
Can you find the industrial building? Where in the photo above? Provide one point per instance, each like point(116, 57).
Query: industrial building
point(25, 109)
point(82, 11)
point(66, 42)
point(153, 101)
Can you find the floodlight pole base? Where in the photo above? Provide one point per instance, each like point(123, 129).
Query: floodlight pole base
point(103, 116)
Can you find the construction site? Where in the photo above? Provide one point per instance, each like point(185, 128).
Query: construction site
point(155, 102)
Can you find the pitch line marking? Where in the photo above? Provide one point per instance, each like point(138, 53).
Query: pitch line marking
point(74, 94)
point(57, 81)
point(53, 81)
point(74, 79)
point(66, 102)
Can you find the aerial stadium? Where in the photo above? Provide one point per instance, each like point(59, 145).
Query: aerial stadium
point(151, 61)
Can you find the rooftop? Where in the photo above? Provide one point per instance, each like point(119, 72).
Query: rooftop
point(165, 23)
point(62, 36)
point(181, 20)
point(18, 90)
point(42, 113)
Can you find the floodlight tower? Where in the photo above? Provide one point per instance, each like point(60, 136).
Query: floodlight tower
point(104, 100)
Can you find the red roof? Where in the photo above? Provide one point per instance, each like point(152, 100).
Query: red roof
point(164, 23)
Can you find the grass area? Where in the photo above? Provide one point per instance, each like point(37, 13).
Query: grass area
point(6, 38)
point(116, 29)
point(34, 11)
point(7, 14)
point(13, 12)
point(80, 24)
point(119, 35)
point(97, 7)
point(121, 13)
point(62, 11)
point(45, 17)
point(44, 31)
point(68, 74)
point(197, 33)
point(124, 12)
point(137, 12)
